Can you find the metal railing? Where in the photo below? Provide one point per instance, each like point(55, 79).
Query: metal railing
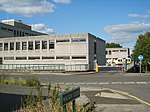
point(52, 67)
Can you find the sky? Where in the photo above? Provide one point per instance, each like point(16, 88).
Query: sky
point(118, 21)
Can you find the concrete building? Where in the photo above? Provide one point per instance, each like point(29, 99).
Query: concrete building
point(68, 49)
point(112, 54)
point(12, 28)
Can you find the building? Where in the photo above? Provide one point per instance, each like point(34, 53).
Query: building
point(112, 54)
point(68, 49)
point(12, 28)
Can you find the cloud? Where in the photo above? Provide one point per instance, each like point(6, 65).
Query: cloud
point(27, 8)
point(126, 33)
point(42, 28)
point(140, 15)
point(62, 1)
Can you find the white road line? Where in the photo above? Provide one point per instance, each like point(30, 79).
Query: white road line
point(116, 83)
point(141, 82)
point(91, 83)
point(103, 83)
point(128, 82)
point(80, 83)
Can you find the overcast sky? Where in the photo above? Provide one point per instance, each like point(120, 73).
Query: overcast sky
point(119, 21)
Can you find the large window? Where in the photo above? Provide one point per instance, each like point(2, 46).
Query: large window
point(34, 58)
point(24, 45)
point(17, 45)
point(30, 45)
point(11, 46)
point(63, 57)
point(78, 57)
point(21, 58)
point(37, 45)
point(1, 46)
point(51, 44)
point(5, 46)
point(8, 58)
point(44, 44)
point(63, 40)
point(78, 40)
point(48, 57)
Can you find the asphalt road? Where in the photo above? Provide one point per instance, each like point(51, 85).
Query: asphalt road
point(134, 84)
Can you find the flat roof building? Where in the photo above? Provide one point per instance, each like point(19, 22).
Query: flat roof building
point(67, 49)
point(112, 54)
point(12, 28)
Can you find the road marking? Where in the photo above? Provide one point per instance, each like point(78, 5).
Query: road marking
point(88, 83)
point(132, 96)
point(103, 83)
point(116, 83)
point(141, 82)
point(128, 82)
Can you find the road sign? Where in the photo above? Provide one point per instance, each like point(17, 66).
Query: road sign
point(69, 96)
point(140, 57)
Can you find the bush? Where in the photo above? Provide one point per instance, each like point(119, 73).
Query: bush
point(32, 81)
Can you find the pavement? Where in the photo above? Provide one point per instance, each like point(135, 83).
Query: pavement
point(107, 100)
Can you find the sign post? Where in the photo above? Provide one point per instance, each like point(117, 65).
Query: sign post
point(140, 57)
point(69, 96)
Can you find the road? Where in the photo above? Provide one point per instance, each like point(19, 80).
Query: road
point(134, 84)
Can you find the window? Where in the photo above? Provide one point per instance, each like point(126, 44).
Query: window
point(11, 45)
point(115, 51)
point(2, 28)
point(51, 44)
point(106, 52)
point(95, 48)
point(48, 57)
point(64, 40)
point(1, 46)
point(8, 58)
point(44, 44)
point(79, 40)
point(14, 32)
point(24, 45)
point(17, 45)
point(123, 50)
point(33, 58)
point(37, 45)
point(21, 58)
point(63, 57)
point(30, 45)
point(17, 33)
point(5, 46)
point(78, 57)
point(109, 52)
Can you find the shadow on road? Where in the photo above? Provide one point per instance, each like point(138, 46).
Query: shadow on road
point(11, 102)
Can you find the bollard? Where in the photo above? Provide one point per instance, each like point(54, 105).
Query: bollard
point(96, 68)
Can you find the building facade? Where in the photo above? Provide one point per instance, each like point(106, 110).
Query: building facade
point(12, 28)
point(67, 49)
point(112, 54)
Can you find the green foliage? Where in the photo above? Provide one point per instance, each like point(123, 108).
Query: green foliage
point(3, 76)
point(32, 81)
point(113, 45)
point(142, 47)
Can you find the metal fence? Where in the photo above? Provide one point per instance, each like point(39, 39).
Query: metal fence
point(52, 67)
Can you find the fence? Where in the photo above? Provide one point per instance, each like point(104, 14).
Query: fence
point(51, 67)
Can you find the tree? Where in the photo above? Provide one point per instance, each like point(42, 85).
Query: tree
point(113, 45)
point(142, 47)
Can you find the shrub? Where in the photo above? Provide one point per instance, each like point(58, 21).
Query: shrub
point(32, 81)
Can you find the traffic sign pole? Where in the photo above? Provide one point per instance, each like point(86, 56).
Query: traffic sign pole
point(140, 66)
point(140, 57)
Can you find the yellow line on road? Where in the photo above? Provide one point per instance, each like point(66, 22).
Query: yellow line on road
point(132, 96)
